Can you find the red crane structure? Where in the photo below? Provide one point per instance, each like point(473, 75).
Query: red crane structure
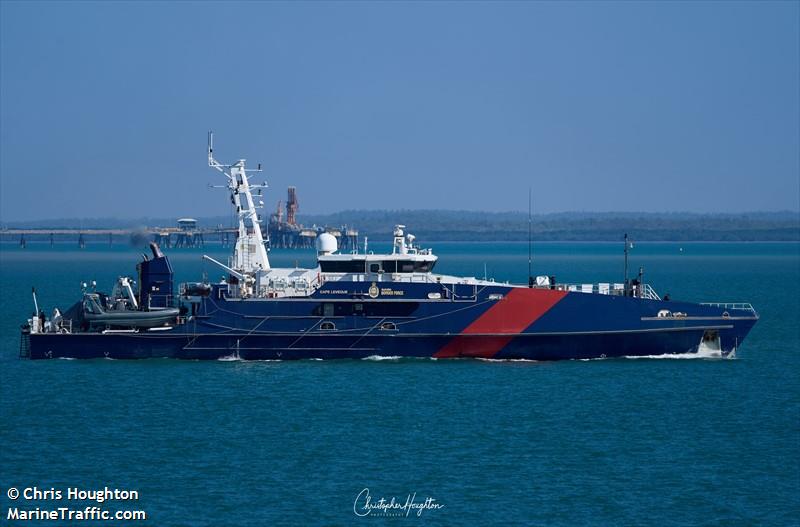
point(291, 206)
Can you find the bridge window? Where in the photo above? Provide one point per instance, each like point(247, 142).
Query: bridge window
point(342, 266)
point(375, 268)
point(327, 326)
point(423, 267)
point(405, 266)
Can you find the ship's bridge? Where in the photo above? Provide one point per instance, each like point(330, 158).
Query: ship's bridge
point(404, 258)
point(376, 263)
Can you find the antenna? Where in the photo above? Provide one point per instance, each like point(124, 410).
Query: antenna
point(530, 247)
point(626, 263)
point(35, 303)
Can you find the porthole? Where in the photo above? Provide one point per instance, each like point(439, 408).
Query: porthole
point(327, 326)
point(389, 326)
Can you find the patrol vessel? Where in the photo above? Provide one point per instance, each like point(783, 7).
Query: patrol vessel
point(359, 305)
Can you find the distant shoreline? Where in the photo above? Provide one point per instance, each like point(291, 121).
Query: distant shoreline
point(430, 225)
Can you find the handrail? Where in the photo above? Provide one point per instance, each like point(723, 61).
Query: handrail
point(647, 292)
point(742, 306)
point(605, 288)
point(169, 301)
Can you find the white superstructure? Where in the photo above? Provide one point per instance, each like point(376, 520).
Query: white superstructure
point(251, 276)
point(250, 273)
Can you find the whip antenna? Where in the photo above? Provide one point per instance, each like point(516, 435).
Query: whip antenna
point(530, 247)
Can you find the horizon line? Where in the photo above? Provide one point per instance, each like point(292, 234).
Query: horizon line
point(406, 210)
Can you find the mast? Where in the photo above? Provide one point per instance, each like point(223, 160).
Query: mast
point(249, 254)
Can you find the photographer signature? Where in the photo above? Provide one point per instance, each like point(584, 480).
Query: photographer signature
point(366, 505)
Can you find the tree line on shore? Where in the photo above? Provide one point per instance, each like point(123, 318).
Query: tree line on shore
point(570, 226)
point(446, 225)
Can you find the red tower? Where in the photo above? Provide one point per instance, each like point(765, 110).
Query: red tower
point(291, 206)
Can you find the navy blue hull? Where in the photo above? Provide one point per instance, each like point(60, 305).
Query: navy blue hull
point(292, 347)
point(497, 322)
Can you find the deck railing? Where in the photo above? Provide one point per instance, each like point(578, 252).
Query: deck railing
point(602, 288)
point(168, 300)
point(740, 306)
point(25, 346)
point(647, 292)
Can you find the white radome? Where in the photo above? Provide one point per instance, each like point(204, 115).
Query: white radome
point(326, 243)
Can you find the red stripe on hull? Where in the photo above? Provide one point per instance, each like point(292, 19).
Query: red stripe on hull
point(513, 314)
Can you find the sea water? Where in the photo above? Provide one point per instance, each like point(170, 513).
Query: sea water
point(622, 441)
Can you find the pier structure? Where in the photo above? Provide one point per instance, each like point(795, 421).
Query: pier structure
point(283, 229)
point(167, 237)
point(174, 238)
point(79, 237)
point(188, 234)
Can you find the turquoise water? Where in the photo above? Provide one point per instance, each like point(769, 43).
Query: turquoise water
point(644, 441)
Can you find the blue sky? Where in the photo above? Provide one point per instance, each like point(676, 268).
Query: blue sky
point(598, 106)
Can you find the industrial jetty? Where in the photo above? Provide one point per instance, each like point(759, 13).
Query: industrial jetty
point(359, 304)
